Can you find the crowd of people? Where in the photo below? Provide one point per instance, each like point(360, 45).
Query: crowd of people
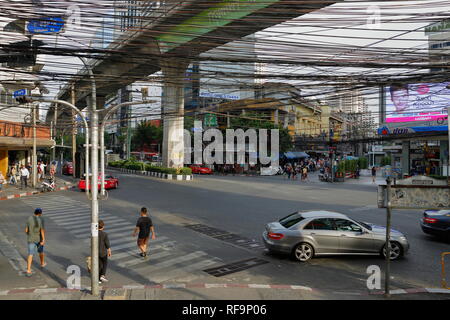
point(20, 173)
point(303, 167)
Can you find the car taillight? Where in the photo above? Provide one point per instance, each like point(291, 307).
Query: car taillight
point(429, 220)
point(275, 236)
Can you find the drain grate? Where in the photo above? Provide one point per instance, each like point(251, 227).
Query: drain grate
point(235, 267)
point(226, 236)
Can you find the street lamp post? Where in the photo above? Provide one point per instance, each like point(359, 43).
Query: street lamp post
point(34, 160)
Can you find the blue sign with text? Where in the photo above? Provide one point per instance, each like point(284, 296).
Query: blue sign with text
point(46, 25)
point(19, 93)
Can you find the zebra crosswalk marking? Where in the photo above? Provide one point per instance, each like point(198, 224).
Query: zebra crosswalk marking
point(81, 219)
point(140, 260)
point(175, 272)
point(184, 258)
point(129, 252)
point(67, 213)
point(87, 223)
point(165, 259)
point(118, 239)
point(88, 229)
point(69, 217)
point(108, 230)
point(132, 242)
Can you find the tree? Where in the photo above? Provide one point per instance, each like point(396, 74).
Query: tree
point(146, 134)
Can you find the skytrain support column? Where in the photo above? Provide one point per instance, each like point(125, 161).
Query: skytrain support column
point(173, 112)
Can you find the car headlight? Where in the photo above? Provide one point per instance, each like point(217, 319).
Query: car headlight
point(403, 238)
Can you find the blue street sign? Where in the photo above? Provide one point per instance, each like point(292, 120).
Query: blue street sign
point(46, 25)
point(19, 93)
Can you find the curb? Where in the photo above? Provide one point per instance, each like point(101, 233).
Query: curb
point(179, 177)
point(223, 286)
point(31, 193)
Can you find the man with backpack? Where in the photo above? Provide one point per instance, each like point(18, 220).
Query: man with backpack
point(35, 231)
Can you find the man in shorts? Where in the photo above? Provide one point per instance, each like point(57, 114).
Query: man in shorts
point(144, 226)
point(35, 231)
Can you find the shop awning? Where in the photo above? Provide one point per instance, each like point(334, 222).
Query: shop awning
point(296, 154)
point(10, 142)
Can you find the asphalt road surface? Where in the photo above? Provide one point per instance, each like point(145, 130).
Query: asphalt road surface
point(215, 223)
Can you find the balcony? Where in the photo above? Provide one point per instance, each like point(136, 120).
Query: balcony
point(15, 134)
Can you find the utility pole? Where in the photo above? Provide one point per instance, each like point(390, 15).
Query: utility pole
point(94, 183)
point(55, 117)
point(128, 133)
point(34, 160)
point(388, 238)
point(74, 139)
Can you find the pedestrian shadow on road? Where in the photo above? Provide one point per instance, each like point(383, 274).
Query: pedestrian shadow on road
point(65, 263)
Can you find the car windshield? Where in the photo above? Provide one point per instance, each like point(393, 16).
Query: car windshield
point(365, 225)
point(291, 219)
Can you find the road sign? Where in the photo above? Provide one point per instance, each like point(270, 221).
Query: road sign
point(45, 25)
point(19, 93)
point(210, 120)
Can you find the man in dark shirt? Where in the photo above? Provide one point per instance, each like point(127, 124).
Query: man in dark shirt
point(104, 251)
point(144, 226)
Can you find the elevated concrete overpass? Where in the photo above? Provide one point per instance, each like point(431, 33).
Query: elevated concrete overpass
point(172, 36)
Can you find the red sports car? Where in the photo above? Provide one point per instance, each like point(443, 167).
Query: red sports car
point(201, 170)
point(110, 183)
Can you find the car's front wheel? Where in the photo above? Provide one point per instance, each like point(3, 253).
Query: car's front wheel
point(396, 251)
point(303, 252)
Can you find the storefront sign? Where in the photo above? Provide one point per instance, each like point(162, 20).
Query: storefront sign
point(407, 130)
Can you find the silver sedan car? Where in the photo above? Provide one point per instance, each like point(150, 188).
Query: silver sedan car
point(314, 233)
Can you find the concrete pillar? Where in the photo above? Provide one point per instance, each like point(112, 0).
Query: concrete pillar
point(173, 112)
point(405, 157)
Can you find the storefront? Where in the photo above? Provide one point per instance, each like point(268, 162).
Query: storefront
point(423, 152)
point(16, 143)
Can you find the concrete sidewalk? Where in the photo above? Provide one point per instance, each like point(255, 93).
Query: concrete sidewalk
point(14, 191)
point(214, 292)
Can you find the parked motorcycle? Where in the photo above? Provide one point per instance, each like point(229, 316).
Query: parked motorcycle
point(48, 185)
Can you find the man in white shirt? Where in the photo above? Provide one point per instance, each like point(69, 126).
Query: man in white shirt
point(24, 174)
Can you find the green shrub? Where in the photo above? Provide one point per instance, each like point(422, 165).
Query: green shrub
point(185, 171)
point(169, 170)
point(363, 163)
point(134, 165)
point(385, 161)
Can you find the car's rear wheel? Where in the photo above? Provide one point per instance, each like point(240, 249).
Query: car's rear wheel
point(396, 251)
point(303, 252)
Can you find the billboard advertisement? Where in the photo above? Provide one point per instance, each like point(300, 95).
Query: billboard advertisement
point(417, 102)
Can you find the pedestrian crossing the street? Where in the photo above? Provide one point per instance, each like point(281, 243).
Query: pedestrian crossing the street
point(165, 260)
